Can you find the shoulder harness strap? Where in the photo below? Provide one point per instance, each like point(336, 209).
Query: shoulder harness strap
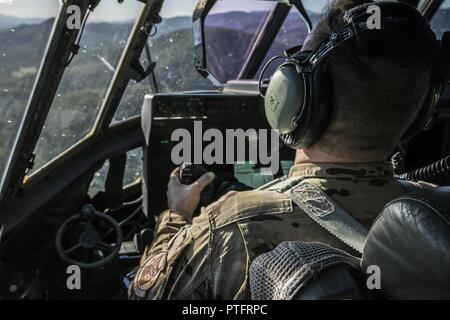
point(329, 215)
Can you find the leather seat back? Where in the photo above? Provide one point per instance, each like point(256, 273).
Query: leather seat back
point(410, 242)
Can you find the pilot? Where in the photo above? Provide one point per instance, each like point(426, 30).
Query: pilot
point(375, 101)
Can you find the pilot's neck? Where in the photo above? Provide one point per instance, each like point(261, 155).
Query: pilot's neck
point(316, 155)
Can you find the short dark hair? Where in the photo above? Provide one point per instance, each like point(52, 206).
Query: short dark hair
point(376, 98)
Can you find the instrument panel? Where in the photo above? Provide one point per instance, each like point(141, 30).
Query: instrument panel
point(164, 113)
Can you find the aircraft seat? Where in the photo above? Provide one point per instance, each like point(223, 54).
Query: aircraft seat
point(409, 242)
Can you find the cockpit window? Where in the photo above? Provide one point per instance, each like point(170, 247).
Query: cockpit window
point(441, 21)
point(171, 46)
point(25, 28)
point(314, 9)
point(292, 33)
point(86, 80)
point(131, 103)
point(133, 172)
point(231, 29)
point(172, 49)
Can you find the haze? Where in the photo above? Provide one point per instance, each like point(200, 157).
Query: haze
point(110, 10)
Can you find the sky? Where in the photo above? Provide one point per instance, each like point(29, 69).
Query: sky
point(110, 10)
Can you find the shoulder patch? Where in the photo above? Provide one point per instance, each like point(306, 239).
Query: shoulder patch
point(311, 197)
point(148, 274)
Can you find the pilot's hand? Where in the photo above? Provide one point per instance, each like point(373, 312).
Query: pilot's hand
point(185, 198)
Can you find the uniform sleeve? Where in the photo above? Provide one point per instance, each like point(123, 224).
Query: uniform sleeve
point(169, 224)
point(175, 266)
point(154, 259)
point(206, 262)
point(194, 261)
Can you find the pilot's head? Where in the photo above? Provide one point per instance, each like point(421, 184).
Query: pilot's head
point(375, 98)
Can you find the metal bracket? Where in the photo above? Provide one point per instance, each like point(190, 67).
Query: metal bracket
point(137, 72)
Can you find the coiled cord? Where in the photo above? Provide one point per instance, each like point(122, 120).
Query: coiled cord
point(398, 163)
point(434, 170)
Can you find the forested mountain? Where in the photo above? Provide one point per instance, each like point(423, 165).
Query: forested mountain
point(22, 45)
point(7, 22)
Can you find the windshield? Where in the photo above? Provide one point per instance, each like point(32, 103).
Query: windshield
point(441, 21)
point(172, 49)
point(85, 82)
point(292, 33)
point(131, 103)
point(231, 29)
point(314, 9)
point(25, 28)
point(171, 46)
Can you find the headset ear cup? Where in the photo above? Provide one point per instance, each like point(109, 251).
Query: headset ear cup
point(285, 98)
point(424, 114)
point(317, 112)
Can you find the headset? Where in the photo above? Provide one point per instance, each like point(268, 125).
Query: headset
point(299, 97)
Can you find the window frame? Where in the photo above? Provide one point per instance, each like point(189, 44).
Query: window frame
point(49, 77)
point(15, 137)
point(44, 89)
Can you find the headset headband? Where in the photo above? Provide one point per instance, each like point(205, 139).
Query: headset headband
point(336, 38)
point(357, 24)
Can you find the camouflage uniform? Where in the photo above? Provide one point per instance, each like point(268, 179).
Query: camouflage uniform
point(210, 258)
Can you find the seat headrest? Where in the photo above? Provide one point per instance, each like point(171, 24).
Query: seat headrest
point(410, 242)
